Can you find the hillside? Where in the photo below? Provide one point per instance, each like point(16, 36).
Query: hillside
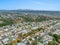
point(9, 17)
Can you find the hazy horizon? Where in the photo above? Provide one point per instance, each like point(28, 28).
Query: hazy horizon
point(52, 5)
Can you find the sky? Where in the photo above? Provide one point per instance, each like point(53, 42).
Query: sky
point(30, 4)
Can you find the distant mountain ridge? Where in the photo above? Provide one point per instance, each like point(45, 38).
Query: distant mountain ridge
point(42, 12)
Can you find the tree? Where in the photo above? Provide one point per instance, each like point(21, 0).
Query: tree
point(52, 43)
point(34, 42)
